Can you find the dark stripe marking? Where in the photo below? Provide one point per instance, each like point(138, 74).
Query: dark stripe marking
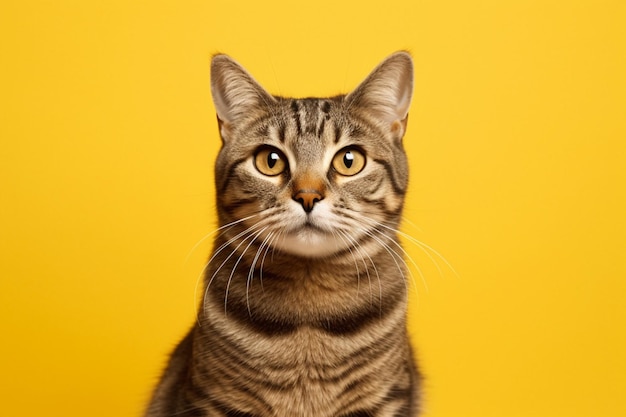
point(320, 130)
point(347, 324)
point(360, 413)
point(296, 116)
point(226, 410)
point(356, 130)
point(221, 371)
point(263, 130)
point(230, 174)
point(389, 169)
point(281, 132)
point(398, 393)
point(269, 325)
point(383, 207)
point(239, 203)
point(338, 133)
point(264, 324)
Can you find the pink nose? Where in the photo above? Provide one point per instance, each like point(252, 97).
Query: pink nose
point(308, 198)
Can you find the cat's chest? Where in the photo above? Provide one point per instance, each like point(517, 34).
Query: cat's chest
point(302, 356)
point(308, 372)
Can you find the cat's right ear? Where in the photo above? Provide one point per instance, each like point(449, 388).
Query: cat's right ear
point(236, 94)
point(386, 93)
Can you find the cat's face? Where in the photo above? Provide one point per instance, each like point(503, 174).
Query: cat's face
point(312, 177)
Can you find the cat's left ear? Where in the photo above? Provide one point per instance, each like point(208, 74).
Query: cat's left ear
point(386, 93)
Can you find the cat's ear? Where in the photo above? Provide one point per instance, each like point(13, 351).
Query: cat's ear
point(386, 92)
point(235, 93)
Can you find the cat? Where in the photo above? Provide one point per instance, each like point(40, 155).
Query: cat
point(304, 309)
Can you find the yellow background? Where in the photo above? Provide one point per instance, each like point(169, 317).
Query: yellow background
point(517, 146)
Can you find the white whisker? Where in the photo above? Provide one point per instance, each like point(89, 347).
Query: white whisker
point(234, 268)
point(248, 231)
point(356, 265)
point(208, 235)
point(357, 246)
point(267, 248)
point(423, 246)
point(394, 256)
point(406, 254)
point(264, 243)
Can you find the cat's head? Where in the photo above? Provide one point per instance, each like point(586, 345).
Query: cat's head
point(317, 176)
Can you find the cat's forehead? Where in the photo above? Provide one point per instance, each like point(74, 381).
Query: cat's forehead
point(304, 125)
point(309, 115)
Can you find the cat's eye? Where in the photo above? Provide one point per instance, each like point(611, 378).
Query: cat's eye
point(349, 161)
point(270, 161)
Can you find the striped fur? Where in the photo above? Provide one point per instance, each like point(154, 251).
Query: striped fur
point(304, 310)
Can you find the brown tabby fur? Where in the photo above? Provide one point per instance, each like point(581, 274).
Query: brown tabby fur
point(304, 310)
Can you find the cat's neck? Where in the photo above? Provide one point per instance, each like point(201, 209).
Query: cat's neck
point(304, 290)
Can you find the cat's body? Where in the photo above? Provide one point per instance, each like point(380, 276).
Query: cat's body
point(304, 313)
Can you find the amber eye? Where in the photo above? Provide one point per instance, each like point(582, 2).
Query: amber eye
point(349, 161)
point(270, 161)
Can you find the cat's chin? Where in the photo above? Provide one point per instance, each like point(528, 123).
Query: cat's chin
point(310, 243)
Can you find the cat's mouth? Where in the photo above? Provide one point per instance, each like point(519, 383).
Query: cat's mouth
point(310, 231)
point(310, 226)
point(312, 235)
point(310, 240)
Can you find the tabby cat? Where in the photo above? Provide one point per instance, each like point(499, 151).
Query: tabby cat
point(305, 296)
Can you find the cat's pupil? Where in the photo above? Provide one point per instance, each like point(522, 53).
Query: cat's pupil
point(348, 159)
point(272, 159)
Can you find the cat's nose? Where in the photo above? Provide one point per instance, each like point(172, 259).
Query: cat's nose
point(308, 198)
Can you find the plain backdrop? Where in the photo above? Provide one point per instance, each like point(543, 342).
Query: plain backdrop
point(516, 141)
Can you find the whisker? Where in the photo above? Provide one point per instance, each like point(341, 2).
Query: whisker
point(356, 265)
point(407, 220)
point(265, 242)
point(208, 235)
point(406, 254)
point(249, 231)
point(278, 236)
point(234, 268)
point(430, 248)
point(223, 229)
point(424, 248)
point(394, 255)
point(357, 246)
point(226, 244)
point(267, 248)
